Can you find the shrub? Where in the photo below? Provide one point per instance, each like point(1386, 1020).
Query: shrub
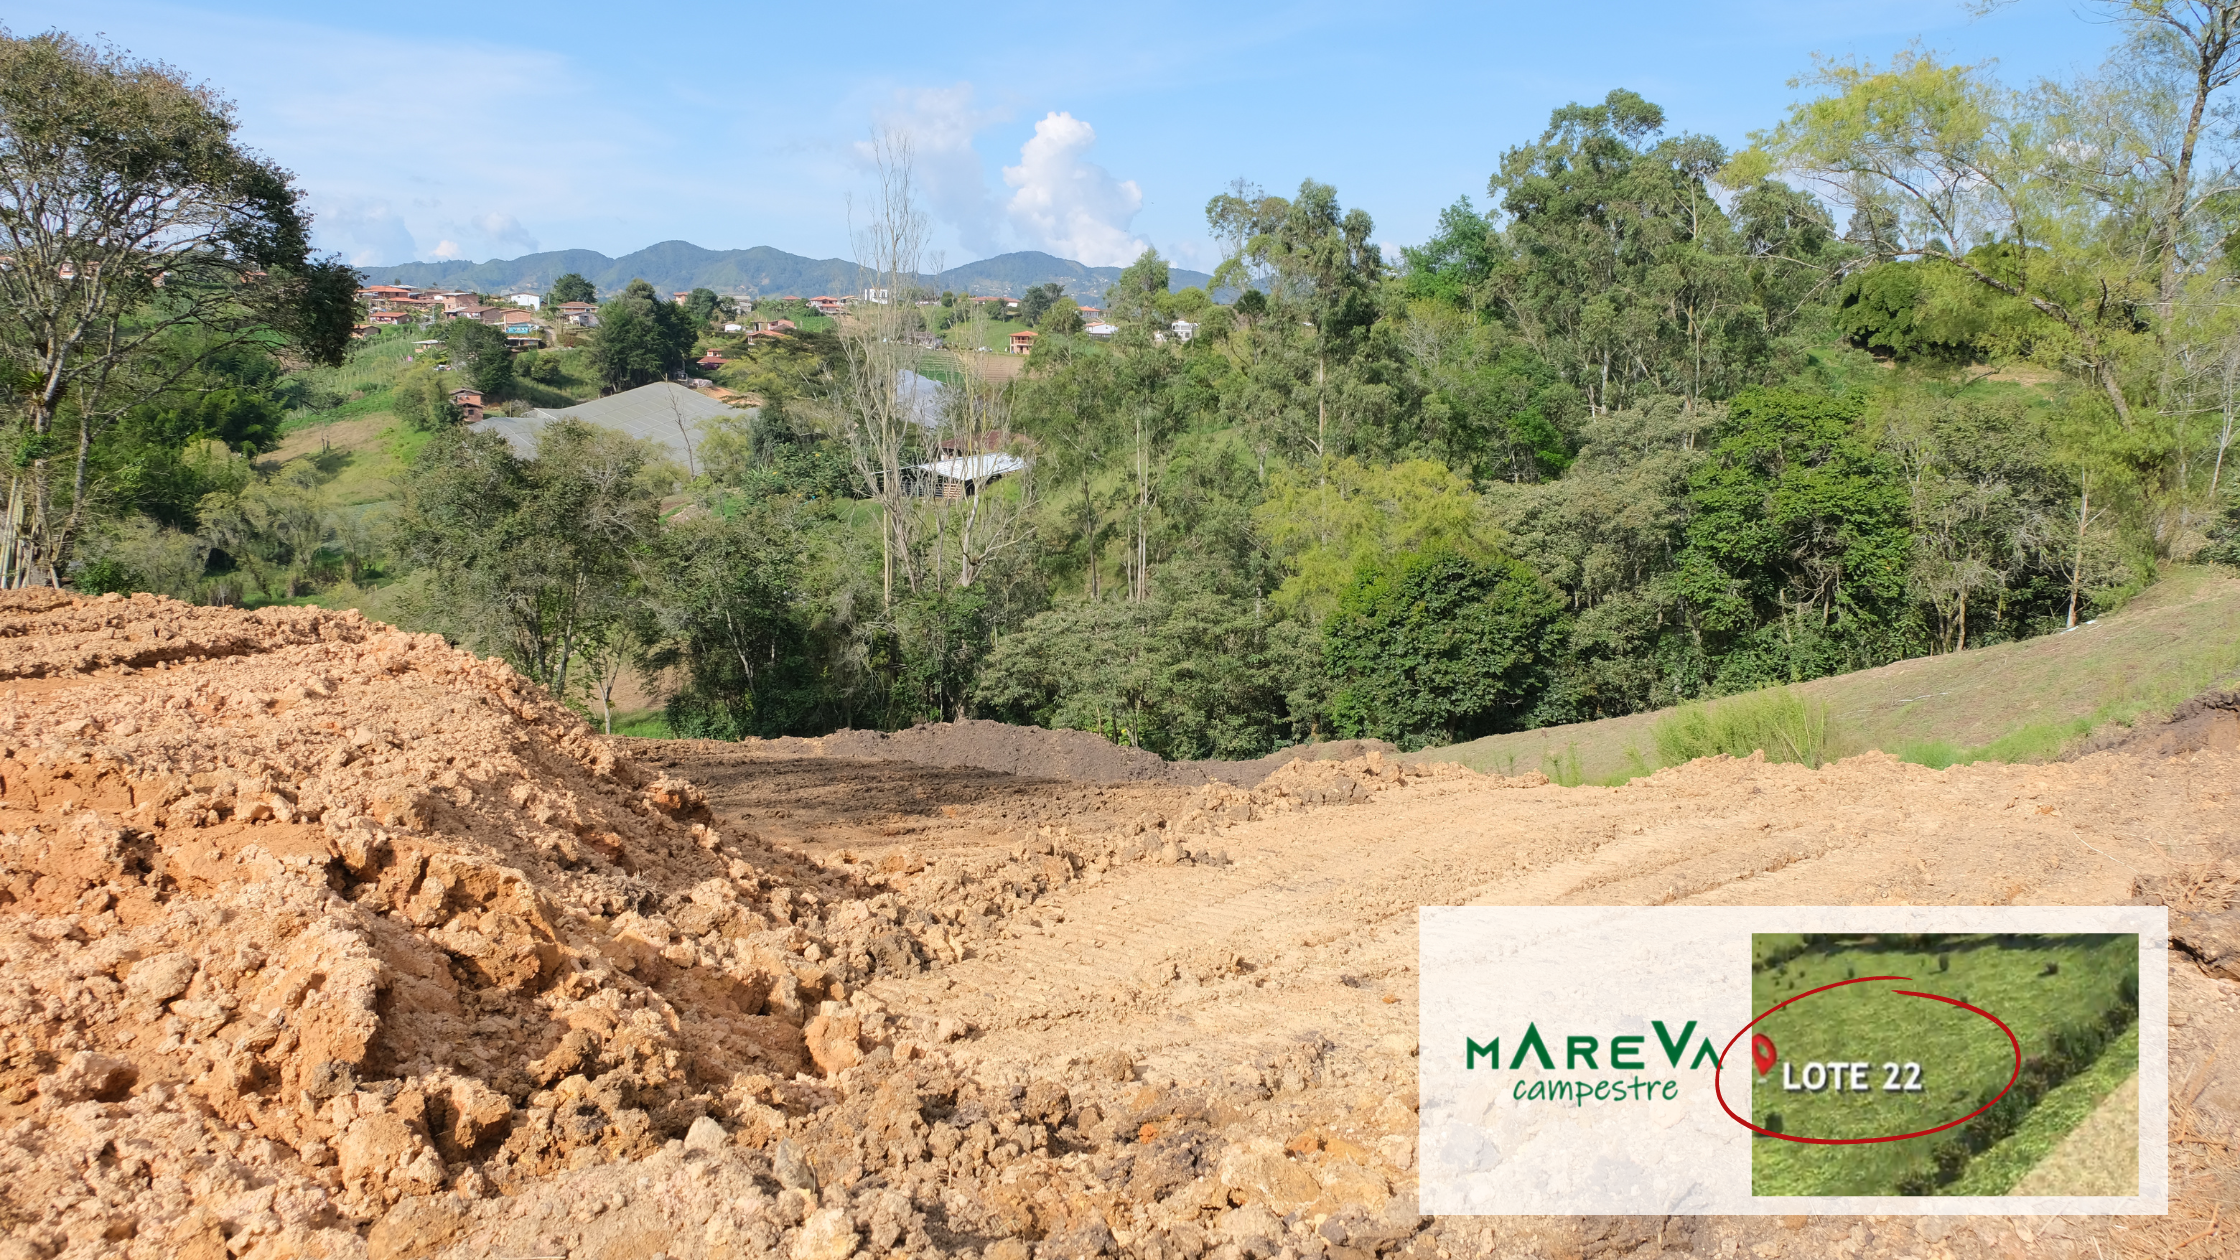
point(1784, 725)
point(1436, 647)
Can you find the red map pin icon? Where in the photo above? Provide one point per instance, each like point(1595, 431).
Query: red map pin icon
point(1761, 1052)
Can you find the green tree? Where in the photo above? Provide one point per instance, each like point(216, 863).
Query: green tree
point(640, 339)
point(1039, 298)
point(700, 306)
point(723, 593)
point(479, 357)
point(1141, 290)
point(1435, 647)
point(1326, 521)
point(422, 399)
point(1796, 557)
point(1061, 318)
point(569, 288)
point(533, 558)
point(1192, 671)
point(1619, 267)
point(142, 241)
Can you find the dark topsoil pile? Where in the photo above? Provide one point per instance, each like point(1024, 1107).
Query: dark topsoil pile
point(1033, 752)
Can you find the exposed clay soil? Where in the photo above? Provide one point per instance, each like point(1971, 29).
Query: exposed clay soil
point(2211, 721)
point(318, 939)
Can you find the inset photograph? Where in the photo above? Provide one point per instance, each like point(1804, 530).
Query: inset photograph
point(1876, 1045)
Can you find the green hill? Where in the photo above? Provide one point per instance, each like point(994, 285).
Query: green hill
point(2024, 701)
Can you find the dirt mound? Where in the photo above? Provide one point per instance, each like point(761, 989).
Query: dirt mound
point(303, 916)
point(1078, 756)
point(2206, 722)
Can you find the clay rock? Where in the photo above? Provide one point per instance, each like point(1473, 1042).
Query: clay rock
point(792, 1170)
point(1047, 1103)
point(895, 954)
point(1259, 1170)
point(417, 1227)
point(678, 798)
point(87, 1075)
point(2213, 939)
point(476, 1112)
point(1347, 1182)
point(828, 1234)
point(160, 978)
point(382, 1157)
point(704, 1135)
point(835, 1042)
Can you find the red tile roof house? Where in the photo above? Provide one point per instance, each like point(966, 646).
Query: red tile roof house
point(469, 403)
point(711, 360)
point(1022, 342)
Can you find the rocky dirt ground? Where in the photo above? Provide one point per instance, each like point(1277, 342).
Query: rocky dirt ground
point(318, 939)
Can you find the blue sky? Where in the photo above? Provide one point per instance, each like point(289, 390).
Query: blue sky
point(487, 131)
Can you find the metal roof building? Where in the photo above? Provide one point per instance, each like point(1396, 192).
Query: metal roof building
point(663, 412)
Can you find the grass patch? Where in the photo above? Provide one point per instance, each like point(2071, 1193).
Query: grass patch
point(644, 724)
point(1997, 1170)
point(2046, 988)
point(1778, 721)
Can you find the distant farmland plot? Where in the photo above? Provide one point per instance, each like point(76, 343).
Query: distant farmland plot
point(2040, 986)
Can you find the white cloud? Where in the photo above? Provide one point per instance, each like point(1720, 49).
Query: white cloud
point(447, 250)
point(504, 232)
point(394, 172)
point(941, 124)
point(1070, 206)
point(367, 232)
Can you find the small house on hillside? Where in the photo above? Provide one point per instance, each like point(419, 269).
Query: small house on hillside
point(518, 324)
point(1022, 342)
point(1184, 330)
point(1102, 332)
point(710, 360)
point(530, 300)
point(470, 311)
point(469, 403)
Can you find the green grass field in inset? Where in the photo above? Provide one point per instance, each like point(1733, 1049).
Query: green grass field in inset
point(2037, 985)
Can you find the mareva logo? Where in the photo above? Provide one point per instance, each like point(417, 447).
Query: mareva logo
point(1622, 1053)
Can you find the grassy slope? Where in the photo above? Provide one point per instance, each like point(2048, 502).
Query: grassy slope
point(2023, 701)
point(2057, 1115)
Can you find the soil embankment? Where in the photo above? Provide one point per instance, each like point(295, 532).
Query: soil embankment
point(324, 940)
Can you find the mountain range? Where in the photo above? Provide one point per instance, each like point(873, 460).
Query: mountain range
point(762, 271)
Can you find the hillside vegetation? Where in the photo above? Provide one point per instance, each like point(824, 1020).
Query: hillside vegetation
point(1656, 425)
point(2023, 701)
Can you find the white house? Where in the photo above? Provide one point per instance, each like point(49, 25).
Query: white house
point(530, 300)
point(1101, 331)
point(1184, 330)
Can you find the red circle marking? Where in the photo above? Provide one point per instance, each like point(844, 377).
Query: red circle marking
point(1720, 1093)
